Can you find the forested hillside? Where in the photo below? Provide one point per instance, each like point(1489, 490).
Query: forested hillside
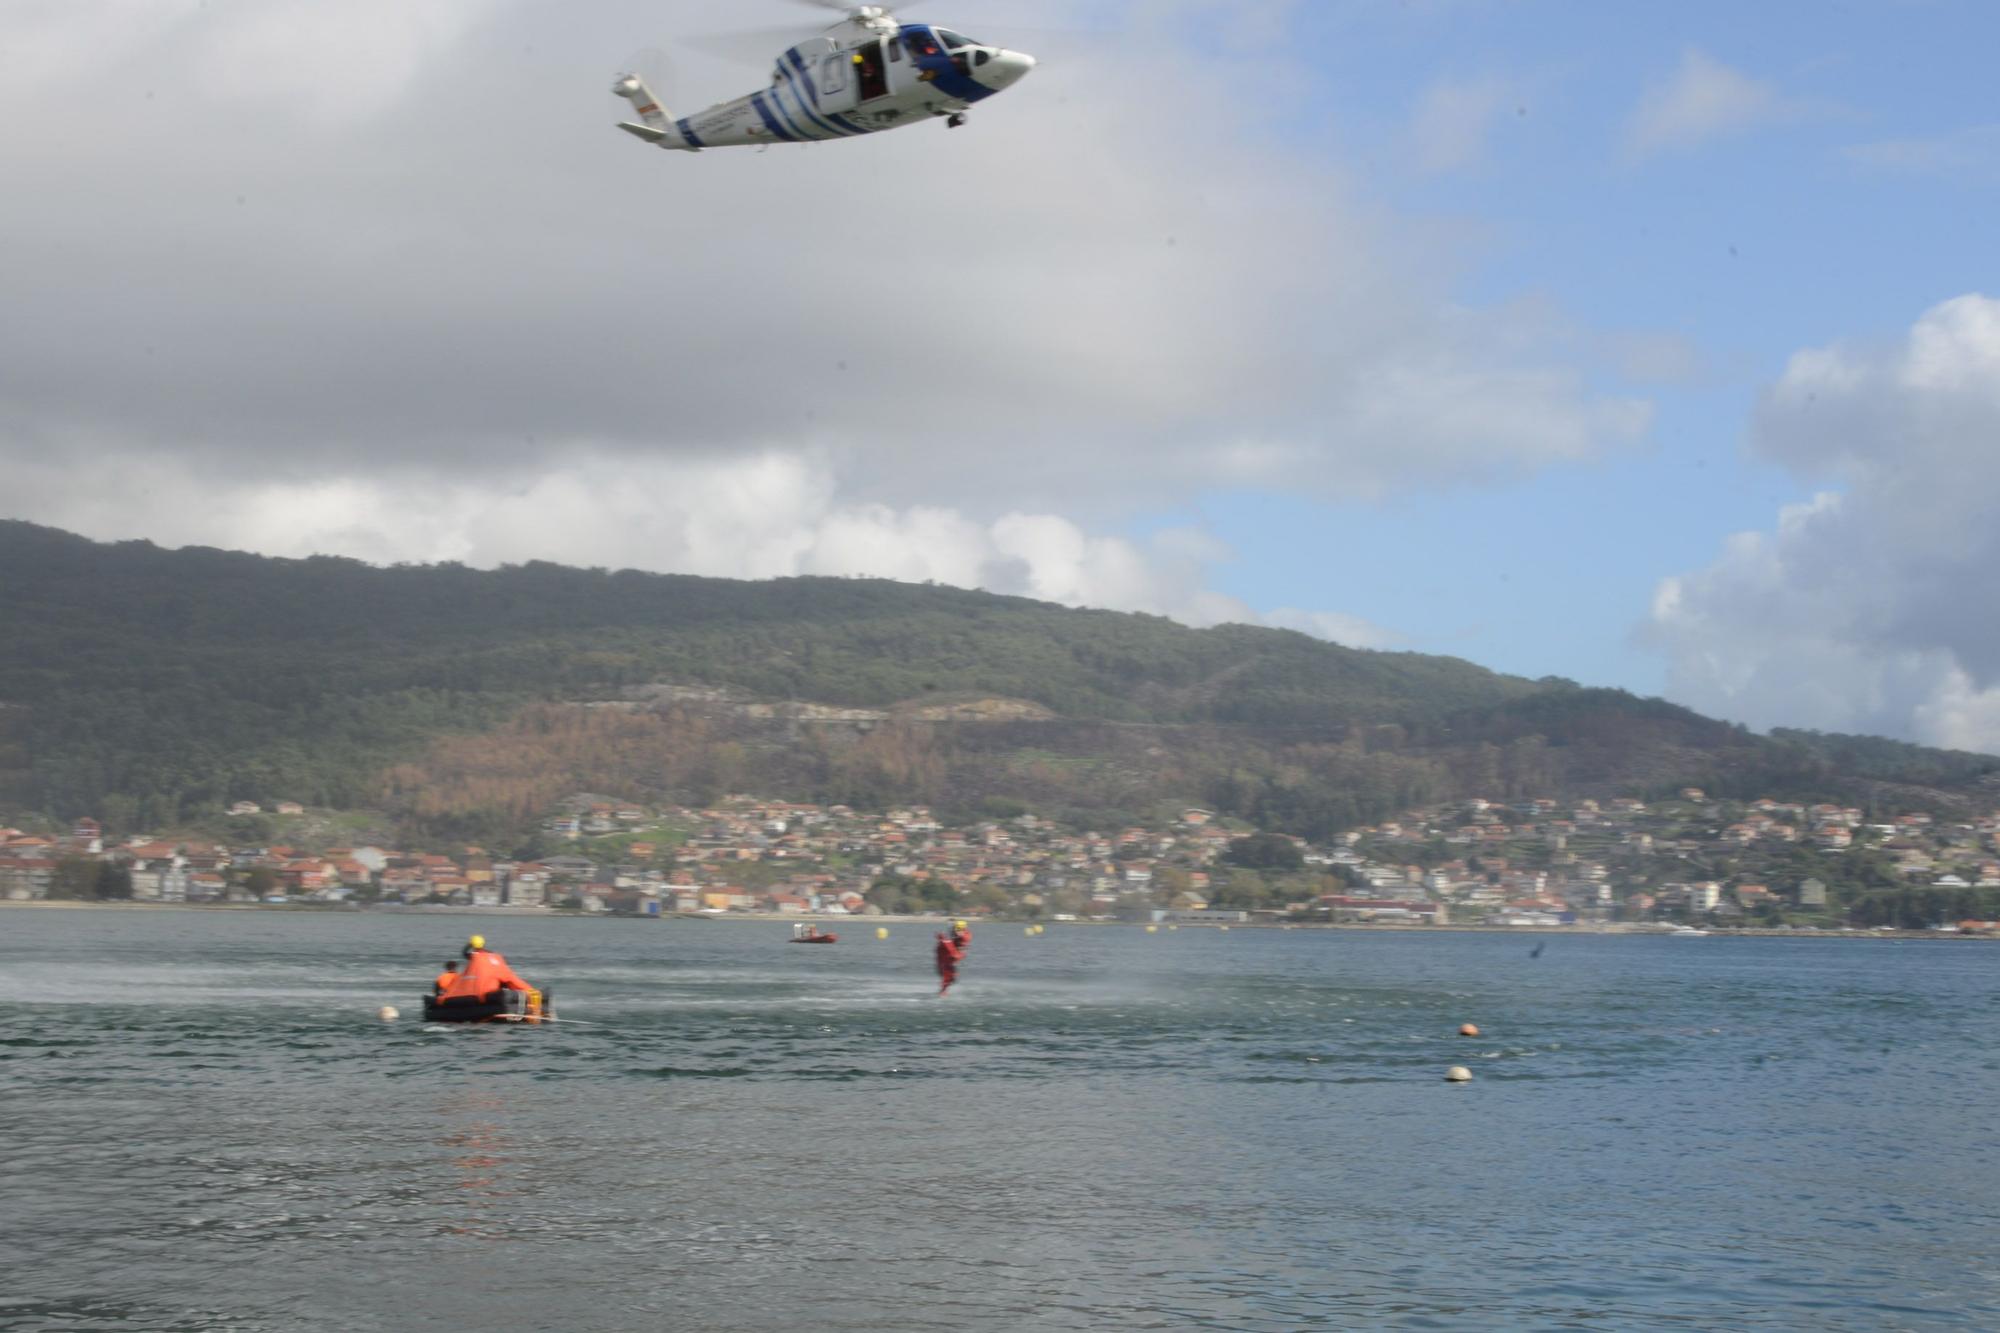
point(152, 687)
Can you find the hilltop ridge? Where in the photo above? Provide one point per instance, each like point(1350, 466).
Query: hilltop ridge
point(155, 687)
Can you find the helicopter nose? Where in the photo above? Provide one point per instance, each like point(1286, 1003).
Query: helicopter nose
point(1006, 69)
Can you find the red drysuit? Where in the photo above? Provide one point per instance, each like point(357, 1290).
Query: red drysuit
point(950, 949)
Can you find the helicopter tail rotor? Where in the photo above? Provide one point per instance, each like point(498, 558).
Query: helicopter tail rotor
point(651, 69)
point(644, 104)
point(655, 124)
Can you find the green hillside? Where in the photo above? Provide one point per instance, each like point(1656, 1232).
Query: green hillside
point(152, 687)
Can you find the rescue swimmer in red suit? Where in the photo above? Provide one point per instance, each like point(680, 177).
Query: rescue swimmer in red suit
point(950, 952)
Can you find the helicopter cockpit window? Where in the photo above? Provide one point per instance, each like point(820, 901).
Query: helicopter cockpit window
point(921, 43)
point(895, 49)
point(952, 39)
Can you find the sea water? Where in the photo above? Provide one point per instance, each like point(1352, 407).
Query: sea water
point(204, 1126)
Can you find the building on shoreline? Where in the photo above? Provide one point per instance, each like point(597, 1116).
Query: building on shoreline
point(1531, 862)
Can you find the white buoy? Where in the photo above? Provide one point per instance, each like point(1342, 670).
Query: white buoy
point(387, 1013)
point(1458, 1074)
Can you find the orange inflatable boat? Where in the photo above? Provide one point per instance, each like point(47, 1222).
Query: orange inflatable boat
point(485, 990)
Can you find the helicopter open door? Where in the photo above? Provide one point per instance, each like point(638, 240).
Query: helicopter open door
point(849, 78)
point(871, 71)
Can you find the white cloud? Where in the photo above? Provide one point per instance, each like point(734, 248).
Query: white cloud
point(1453, 121)
point(1705, 99)
point(378, 276)
point(1653, 357)
point(320, 65)
point(1871, 608)
point(1971, 153)
point(481, 259)
point(758, 516)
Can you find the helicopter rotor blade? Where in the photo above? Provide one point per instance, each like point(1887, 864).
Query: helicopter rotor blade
point(848, 6)
point(654, 66)
point(748, 46)
point(762, 45)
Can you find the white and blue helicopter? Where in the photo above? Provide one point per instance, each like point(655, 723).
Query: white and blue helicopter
point(869, 72)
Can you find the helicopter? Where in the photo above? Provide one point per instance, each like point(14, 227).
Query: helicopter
point(869, 72)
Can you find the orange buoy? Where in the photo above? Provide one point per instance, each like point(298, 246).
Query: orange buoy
point(1467, 1030)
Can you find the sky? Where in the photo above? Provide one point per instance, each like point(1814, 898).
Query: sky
point(1653, 345)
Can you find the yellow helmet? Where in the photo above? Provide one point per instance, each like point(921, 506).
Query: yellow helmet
point(476, 942)
point(960, 925)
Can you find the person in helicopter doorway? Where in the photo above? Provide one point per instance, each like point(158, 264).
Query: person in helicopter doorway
point(950, 953)
point(874, 83)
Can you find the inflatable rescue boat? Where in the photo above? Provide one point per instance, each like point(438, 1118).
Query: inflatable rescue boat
point(502, 1006)
point(486, 990)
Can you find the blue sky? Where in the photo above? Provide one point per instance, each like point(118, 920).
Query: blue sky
point(1653, 345)
point(1746, 245)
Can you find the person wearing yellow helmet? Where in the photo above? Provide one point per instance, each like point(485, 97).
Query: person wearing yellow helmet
point(950, 953)
point(486, 971)
point(483, 990)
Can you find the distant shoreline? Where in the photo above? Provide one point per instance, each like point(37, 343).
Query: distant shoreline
point(836, 922)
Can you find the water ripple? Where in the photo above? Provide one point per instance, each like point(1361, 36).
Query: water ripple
point(1096, 1130)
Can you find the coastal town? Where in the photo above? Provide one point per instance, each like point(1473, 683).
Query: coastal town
point(1690, 860)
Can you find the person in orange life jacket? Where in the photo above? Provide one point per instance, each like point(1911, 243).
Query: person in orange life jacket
point(446, 979)
point(950, 952)
point(486, 972)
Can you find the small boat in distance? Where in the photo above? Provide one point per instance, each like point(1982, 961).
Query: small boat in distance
point(804, 932)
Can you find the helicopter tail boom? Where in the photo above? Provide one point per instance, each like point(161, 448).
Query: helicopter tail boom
point(656, 126)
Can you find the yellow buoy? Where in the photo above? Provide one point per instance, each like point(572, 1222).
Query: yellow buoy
point(1151, 929)
point(881, 932)
point(1467, 1030)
